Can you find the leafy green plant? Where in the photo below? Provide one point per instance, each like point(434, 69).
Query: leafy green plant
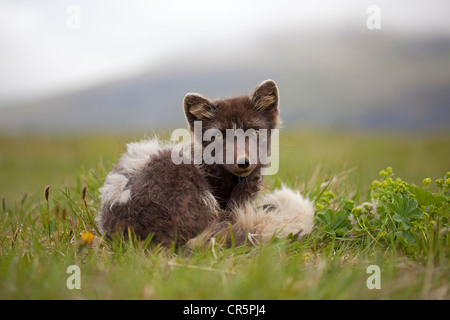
point(399, 214)
point(334, 222)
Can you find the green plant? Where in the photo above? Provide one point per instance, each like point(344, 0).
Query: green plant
point(399, 214)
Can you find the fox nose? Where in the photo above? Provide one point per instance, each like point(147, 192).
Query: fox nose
point(243, 163)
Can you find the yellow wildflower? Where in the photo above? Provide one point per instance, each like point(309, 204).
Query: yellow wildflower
point(86, 238)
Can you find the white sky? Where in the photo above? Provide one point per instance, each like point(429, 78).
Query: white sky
point(40, 55)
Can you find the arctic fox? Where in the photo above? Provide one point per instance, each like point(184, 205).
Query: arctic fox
point(150, 194)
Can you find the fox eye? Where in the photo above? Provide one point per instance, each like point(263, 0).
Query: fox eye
point(219, 135)
point(256, 132)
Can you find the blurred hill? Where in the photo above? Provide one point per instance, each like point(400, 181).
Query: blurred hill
point(363, 80)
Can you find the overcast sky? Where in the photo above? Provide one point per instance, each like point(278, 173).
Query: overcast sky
point(49, 46)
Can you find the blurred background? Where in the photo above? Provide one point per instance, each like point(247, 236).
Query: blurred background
point(85, 67)
point(77, 65)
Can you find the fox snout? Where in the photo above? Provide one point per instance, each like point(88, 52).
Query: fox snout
point(243, 163)
point(242, 167)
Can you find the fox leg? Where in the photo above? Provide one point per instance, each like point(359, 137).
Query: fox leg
point(246, 189)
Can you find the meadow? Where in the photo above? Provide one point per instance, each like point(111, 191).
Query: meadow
point(49, 196)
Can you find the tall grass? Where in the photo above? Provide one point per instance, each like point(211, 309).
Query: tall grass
point(41, 236)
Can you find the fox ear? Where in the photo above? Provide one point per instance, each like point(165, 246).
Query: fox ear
point(197, 108)
point(265, 97)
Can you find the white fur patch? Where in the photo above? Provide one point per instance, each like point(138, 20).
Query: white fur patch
point(279, 214)
point(210, 202)
point(138, 154)
point(114, 190)
point(133, 160)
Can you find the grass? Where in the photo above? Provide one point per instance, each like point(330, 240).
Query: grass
point(40, 238)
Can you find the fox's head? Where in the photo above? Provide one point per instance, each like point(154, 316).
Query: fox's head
point(253, 114)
